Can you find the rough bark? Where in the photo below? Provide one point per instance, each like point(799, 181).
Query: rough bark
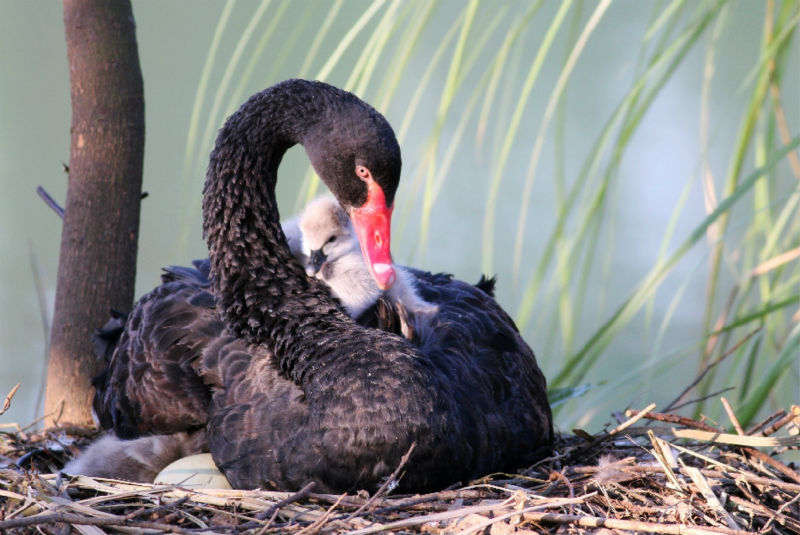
point(97, 263)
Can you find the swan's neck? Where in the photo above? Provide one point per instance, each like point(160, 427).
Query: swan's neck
point(261, 289)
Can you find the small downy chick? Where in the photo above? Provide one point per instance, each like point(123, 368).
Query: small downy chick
point(334, 256)
point(139, 459)
point(294, 238)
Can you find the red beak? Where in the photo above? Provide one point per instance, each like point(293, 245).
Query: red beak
point(373, 224)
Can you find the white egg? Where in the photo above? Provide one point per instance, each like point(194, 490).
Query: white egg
point(195, 471)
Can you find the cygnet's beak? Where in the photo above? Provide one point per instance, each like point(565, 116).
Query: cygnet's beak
point(315, 261)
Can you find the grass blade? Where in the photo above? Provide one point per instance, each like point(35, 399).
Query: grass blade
point(592, 349)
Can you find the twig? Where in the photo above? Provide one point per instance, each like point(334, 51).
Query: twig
point(632, 419)
point(628, 525)
point(713, 501)
point(661, 452)
point(58, 412)
point(787, 504)
point(763, 423)
point(716, 331)
point(7, 402)
point(793, 524)
point(559, 503)
point(702, 398)
point(750, 478)
point(774, 463)
point(426, 498)
point(81, 520)
point(286, 501)
point(731, 415)
point(594, 440)
point(709, 367)
point(672, 418)
point(324, 518)
point(435, 517)
point(50, 201)
point(566, 482)
point(57, 208)
point(156, 510)
point(793, 413)
point(721, 474)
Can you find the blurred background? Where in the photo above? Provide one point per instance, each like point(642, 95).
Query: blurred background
point(619, 166)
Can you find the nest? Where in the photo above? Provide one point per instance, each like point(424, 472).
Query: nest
point(656, 473)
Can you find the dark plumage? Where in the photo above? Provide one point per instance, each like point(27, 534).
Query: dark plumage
point(290, 389)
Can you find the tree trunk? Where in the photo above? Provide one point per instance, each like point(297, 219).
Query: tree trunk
point(97, 263)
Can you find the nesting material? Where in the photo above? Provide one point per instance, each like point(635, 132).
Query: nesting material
point(656, 473)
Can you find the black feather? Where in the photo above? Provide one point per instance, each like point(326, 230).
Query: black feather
point(287, 386)
point(487, 285)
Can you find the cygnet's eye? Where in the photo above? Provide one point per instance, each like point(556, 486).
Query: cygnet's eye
point(363, 172)
point(332, 239)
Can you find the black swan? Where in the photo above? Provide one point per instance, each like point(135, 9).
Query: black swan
point(268, 368)
point(333, 255)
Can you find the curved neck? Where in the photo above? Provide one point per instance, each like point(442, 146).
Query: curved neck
point(257, 281)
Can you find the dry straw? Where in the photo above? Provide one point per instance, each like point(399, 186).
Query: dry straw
point(651, 472)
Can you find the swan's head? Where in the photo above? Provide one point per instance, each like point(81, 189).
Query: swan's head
point(327, 233)
point(355, 152)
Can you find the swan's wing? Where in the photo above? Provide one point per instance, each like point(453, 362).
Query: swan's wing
point(197, 276)
point(151, 384)
point(503, 392)
point(256, 415)
point(484, 408)
point(486, 285)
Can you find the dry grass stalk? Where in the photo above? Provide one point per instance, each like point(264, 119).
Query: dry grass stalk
point(731, 415)
point(7, 402)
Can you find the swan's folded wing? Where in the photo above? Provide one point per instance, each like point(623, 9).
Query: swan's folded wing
point(151, 383)
point(477, 345)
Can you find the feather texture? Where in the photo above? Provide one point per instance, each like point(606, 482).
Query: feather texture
point(287, 387)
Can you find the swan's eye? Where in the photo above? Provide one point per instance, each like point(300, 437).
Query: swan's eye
point(363, 172)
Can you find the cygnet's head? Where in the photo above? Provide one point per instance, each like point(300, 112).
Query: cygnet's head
point(333, 255)
point(328, 234)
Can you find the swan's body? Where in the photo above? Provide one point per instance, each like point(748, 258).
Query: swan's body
point(288, 388)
